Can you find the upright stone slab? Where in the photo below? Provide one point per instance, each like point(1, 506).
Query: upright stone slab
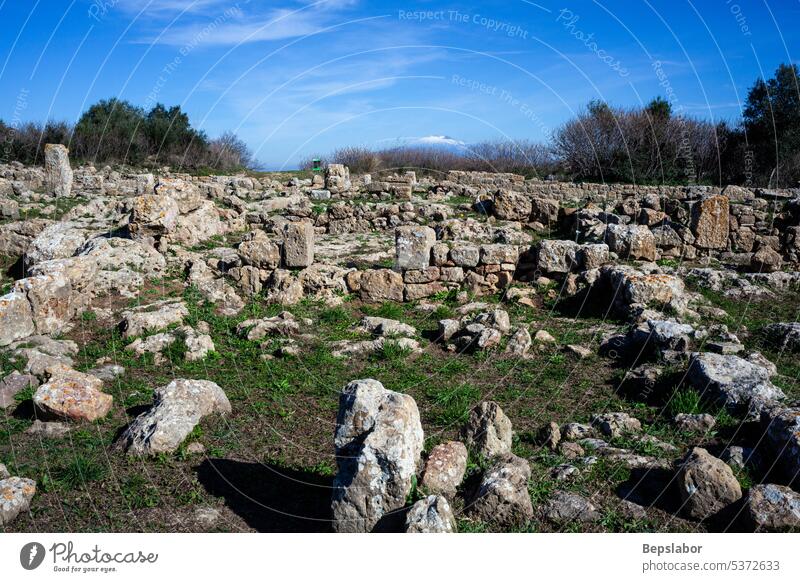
point(378, 443)
point(711, 222)
point(413, 246)
point(57, 171)
point(298, 244)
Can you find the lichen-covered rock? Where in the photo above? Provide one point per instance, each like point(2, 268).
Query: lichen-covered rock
point(510, 205)
point(177, 408)
point(773, 508)
point(380, 285)
point(558, 256)
point(16, 318)
point(733, 382)
point(378, 442)
point(707, 485)
point(520, 342)
point(694, 422)
point(72, 395)
point(502, 496)
point(258, 250)
point(152, 317)
point(381, 326)
point(431, 515)
point(488, 430)
point(15, 497)
point(57, 171)
point(13, 384)
point(413, 246)
point(445, 468)
point(152, 216)
point(298, 244)
point(632, 241)
point(711, 222)
point(565, 508)
point(615, 424)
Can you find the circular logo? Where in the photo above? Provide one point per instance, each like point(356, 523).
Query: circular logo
point(31, 555)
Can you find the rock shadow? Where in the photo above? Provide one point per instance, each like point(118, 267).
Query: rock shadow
point(270, 498)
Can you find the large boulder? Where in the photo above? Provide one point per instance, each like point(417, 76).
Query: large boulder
point(736, 383)
point(711, 222)
point(177, 409)
point(51, 300)
point(258, 250)
point(502, 496)
point(707, 485)
point(56, 241)
point(378, 442)
point(413, 246)
point(773, 508)
point(488, 430)
point(57, 171)
point(72, 395)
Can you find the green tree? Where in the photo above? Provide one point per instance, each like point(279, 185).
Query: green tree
point(772, 124)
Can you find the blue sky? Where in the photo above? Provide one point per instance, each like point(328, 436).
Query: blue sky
point(294, 78)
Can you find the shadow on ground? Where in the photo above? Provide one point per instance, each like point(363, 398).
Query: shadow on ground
point(270, 498)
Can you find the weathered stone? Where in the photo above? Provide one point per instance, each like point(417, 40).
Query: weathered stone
point(51, 301)
point(16, 317)
point(710, 222)
point(502, 496)
point(558, 256)
point(632, 241)
point(615, 424)
point(509, 205)
point(488, 430)
point(380, 285)
point(431, 515)
point(694, 422)
point(707, 485)
point(152, 216)
point(152, 317)
point(260, 251)
point(15, 497)
point(465, 255)
point(445, 468)
point(382, 326)
point(773, 508)
point(733, 382)
point(72, 395)
point(177, 409)
point(378, 442)
point(565, 508)
point(13, 384)
point(520, 342)
point(413, 246)
point(57, 171)
point(298, 244)
point(766, 260)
